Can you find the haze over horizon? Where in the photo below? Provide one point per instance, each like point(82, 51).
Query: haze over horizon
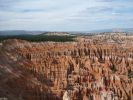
point(65, 15)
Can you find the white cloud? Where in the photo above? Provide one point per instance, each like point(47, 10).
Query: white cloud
point(63, 14)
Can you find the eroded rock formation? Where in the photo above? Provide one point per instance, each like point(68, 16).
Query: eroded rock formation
point(84, 70)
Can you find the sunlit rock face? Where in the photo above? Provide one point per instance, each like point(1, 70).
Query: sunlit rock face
point(68, 71)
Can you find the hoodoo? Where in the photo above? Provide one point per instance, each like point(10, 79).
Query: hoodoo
point(91, 69)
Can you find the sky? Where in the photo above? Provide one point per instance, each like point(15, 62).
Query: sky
point(65, 15)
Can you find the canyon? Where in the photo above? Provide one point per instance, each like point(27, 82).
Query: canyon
point(98, 67)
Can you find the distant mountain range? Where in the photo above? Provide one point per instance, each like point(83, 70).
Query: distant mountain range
point(114, 30)
point(23, 32)
point(20, 32)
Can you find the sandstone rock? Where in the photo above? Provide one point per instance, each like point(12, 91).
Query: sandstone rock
point(87, 70)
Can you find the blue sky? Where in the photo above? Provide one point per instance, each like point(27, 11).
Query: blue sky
point(65, 15)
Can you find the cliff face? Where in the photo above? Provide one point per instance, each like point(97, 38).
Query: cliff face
point(87, 70)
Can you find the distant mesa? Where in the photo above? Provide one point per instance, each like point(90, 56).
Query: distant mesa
point(56, 33)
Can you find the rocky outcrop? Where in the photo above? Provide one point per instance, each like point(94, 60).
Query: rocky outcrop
point(84, 70)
